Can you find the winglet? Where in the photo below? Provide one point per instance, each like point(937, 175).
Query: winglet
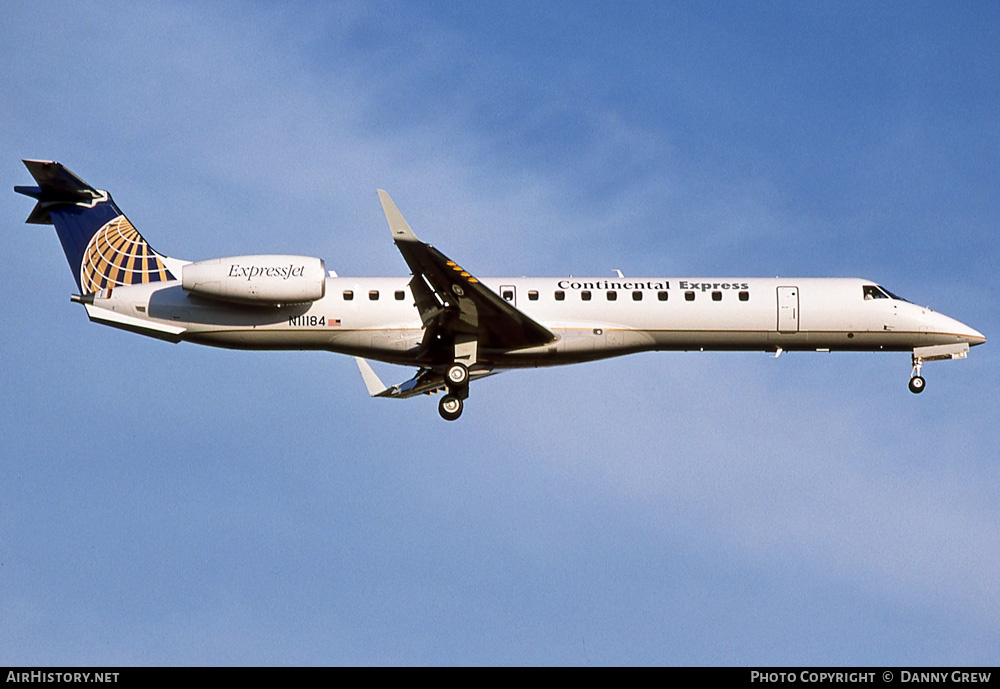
point(372, 382)
point(399, 228)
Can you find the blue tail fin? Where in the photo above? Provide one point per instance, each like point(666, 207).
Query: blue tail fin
point(101, 245)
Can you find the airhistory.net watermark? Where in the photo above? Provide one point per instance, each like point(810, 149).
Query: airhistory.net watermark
point(61, 677)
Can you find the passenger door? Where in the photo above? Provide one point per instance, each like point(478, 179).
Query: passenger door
point(788, 309)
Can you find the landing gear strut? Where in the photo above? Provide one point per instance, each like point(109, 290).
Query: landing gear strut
point(922, 355)
point(917, 382)
point(456, 377)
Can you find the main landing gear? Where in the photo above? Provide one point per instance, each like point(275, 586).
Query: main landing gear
point(457, 375)
point(451, 405)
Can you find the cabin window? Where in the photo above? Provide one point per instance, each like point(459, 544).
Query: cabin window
point(662, 296)
point(612, 295)
point(637, 296)
point(532, 295)
point(348, 295)
point(560, 295)
point(689, 296)
point(744, 296)
point(373, 295)
point(585, 295)
point(716, 296)
point(508, 295)
point(400, 295)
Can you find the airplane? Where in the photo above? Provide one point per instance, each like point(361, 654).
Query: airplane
point(453, 326)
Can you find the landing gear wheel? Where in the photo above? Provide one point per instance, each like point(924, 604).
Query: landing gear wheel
point(450, 407)
point(457, 375)
point(917, 384)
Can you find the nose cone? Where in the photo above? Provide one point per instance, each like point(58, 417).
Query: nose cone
point(946, 330)
point(971, 335)
point(961, 331)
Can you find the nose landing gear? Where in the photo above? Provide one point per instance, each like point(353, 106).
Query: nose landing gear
point(917, 382)
point(933, 353)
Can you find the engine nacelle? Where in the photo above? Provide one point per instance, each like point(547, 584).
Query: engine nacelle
point(265, 280)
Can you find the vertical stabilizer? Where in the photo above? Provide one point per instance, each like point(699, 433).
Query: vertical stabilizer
point(103, 248)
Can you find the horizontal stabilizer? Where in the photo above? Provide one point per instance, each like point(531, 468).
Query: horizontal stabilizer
point(56, 186)
point(162, 331)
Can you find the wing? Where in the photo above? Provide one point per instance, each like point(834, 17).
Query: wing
point(453, 304)
point(424, 382)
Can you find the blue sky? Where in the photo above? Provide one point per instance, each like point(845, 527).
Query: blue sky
point(174, 504)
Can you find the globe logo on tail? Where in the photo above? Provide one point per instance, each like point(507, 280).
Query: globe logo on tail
point(118, 255)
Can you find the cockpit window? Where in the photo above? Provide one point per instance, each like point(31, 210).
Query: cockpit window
point(873, 292)
point(879, 292)
point(894, 296)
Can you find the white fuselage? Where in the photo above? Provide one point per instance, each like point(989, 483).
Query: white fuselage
point(592, 318)
point(452, 325)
